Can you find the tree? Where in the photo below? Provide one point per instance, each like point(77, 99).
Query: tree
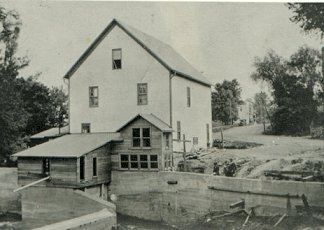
point(59, 107)
point(225, 101)
point(293, 84)
point(12, 115)
point(262, 107)
point(310, 16)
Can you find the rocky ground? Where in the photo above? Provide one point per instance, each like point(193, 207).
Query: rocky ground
point(254, 153)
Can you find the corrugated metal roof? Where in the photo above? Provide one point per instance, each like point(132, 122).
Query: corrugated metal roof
point(154, 120)
point(72, 145)
point(164, 53)
point(53, 132)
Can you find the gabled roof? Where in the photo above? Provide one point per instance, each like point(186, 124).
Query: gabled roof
point(70, 146)
point(152, 119)
point(52, 132)
point(162, 52)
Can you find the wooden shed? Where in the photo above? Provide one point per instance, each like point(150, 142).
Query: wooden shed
point(75, 160)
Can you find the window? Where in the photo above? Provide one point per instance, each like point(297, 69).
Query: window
point(144, 162)
point(141, 137)
point(153, 161)
point(195, 140)
point(178, 130)
point(117, 58)
point(188, 97)
point(82, 168)
point(167, 141)
point(124, 158)
point(139, 161)
point(142, 94)
point(46, 166)
point(85, 128)
point(94, 166)
point(93, 96)
point(134, 161)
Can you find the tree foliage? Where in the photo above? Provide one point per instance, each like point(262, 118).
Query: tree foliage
point(12, 118)
point(225, 101)
point(262, 107)
point(26, 106)
point(293, 84)
point(310, 16)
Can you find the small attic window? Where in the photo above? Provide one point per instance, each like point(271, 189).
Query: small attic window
point(117, 58)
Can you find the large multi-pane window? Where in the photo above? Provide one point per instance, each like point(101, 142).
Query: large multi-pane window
point(142, 94)
point(117, 58)
point(139, 161)
point(141, 137)
point(93, 96)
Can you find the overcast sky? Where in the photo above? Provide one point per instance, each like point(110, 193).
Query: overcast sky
point(219, 39)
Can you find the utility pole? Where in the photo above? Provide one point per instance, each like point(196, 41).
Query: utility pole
point(184, 152)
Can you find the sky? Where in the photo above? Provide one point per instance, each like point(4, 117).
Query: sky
point(221, 40)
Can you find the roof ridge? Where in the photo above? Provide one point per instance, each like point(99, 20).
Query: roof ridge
point(179, 65)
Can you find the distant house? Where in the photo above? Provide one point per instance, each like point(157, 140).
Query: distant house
point(131, 99)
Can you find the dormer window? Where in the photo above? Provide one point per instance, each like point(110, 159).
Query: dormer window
point(116, 58)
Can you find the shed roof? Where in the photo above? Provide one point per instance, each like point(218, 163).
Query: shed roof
point(151, 118)
point(164, 53)
point(70, 146)
point(52, 132)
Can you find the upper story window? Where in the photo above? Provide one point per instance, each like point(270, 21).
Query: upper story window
point(188, 97)
point(117, 58)
point(141, 137)
point(142, 94)
point(93, 96)
point(85, 128)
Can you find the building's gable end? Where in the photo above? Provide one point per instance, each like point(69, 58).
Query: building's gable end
point(102, 36)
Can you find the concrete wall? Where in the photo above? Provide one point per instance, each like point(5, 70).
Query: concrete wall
point(45, 205)
point(192, 196)
point(9, 201)
point(101, 220)
point(117, 88)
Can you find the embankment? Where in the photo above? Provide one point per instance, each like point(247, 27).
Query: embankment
point(178, 198)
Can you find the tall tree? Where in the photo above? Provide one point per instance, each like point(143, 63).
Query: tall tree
point(293, 84)
point(12, 116)
point(310, 16)
point(225, 101)
point(59, 107)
